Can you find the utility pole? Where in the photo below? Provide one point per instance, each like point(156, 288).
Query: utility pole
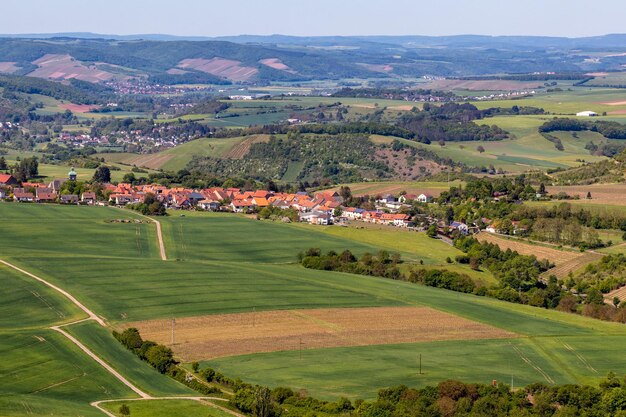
point(173, 331)
point(300, 348)
point(420, 364)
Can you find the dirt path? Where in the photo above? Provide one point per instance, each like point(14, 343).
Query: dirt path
point(162, 252)
point(69, 296)
point(101, 362)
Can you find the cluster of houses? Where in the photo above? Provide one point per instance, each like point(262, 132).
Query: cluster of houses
point(160, 136)
point(323, 208)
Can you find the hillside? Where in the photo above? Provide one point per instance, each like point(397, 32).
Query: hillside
point(172, 60)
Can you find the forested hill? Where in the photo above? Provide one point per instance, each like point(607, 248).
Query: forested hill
point(280, 58)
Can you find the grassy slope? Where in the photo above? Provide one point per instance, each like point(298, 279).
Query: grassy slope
point(228, 264)
point(159, 408)
point(42, 372)
point(100, 341)
point(175, 159)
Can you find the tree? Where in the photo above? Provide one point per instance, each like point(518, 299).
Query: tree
point(3, 163)
point(432, 231)
point(160, 357)
point(102, 175)
point(263, 406)
point(480, 148)
point(124, 410)
point(588, 195)
point(129, 178)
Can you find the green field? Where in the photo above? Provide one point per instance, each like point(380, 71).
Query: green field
point(177, 158)
point(160, 408)
point(220, 263)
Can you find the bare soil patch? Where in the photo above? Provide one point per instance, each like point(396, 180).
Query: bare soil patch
point(619, 293)
point(611, 194)
point(541, 252)
point(65, 67)
point(405, 166)
point(8, 67)
point(241, 149)
point(480, 85)
point(276, 64)
point(564, 261)
point(214, 336)
point(79, 108)
point(226, 68)
point(615, 103)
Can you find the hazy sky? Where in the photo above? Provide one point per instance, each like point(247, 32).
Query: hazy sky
point(316, 17)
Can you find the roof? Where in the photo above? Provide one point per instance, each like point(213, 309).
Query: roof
point(5, 178)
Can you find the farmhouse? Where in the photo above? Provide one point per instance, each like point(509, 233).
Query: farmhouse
point(69, 199)
point(211, 205)
point(20, 195)
point(461, 227)
point(88, 198)
point(425, 198)
point(587, 113)
point(45, 195)
point(316, 217)
point(7, 180)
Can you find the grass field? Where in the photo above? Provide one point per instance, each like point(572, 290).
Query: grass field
point(160, 408)
point(177, 158)
point(222, 264)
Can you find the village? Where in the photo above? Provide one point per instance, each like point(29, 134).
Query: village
point(320, 208)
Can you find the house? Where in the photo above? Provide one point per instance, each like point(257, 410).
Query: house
point(121, 199)
point(587, 113)
point(461, 227)
point(88, 198)
point(7, 180)
point(56, 185)
point(316, 217)
point(353, 213)
point(69, 199)
point(45, 195)
point(211, 205)
point(401, 220)
point(407, 198)
point(22, 196)
point(425, 198)
point(241, 206)
point(194, 197)
point(386, 199)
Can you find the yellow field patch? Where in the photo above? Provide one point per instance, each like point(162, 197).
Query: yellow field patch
point(214, 336)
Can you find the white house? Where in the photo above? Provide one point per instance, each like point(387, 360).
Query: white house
point(587, 113)
point(424, 198)
point(461, 227)
point(316, 217)
point(211, 205)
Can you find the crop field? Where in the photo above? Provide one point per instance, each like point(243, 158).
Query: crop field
point(215, 336)
point(603, 194)
point(160, 408)
point(177, 158)
point(567, 102)
point(523, 247)
point(221, 268)
point(375, 188)
point(322, 372)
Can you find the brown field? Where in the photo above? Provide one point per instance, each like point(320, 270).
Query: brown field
point(564, 261)
point(277, 64)
point(208, 337)
point(562, 270)
point(79, 108)
point(615, 103)
point(241, 149)
point(65, 67)
point(8, 67)
point(226, 68)
point(482, 85)
point(394, 188)
point(152, 161)
point(523, 248)
point(597, 74)
point(619, 293)
point(384, 68)
point(612, 194)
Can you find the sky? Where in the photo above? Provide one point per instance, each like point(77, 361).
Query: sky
point(571, 18)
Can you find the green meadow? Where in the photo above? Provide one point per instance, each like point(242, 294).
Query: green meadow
point(160, 408)
point(220, 263)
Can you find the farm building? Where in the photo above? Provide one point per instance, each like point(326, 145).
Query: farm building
point(587, 113)
point(6, 179)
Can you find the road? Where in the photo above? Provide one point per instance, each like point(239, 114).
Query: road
point(91, 314)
